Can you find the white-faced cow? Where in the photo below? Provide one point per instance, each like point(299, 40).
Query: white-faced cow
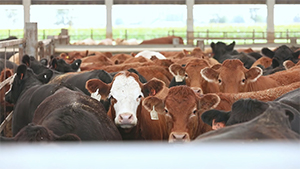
point(126, 93)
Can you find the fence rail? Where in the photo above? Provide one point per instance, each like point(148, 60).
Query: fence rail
point(249, 37)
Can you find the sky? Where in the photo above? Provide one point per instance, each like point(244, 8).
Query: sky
point(94, 16)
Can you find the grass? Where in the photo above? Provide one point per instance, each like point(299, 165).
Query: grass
point(214, 30)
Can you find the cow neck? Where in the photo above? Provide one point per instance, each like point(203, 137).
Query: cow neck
point(29, 82)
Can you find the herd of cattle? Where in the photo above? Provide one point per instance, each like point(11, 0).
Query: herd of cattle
point(215, 95)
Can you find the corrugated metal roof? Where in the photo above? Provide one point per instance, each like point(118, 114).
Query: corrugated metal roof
point(102, 2)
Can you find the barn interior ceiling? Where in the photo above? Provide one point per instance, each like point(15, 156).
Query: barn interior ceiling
point(132, 2)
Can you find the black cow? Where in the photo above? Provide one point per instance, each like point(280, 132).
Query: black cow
point(222, 51)
point(27, 92)
point(68, 111)
point(272, 124)
point(37, 133)
point(58, 67)
point(61, 65)
point(79, 80)
point(245, 110)
point(248, 60)
point(279, 55)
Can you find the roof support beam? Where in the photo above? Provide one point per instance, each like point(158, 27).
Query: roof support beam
point(270, 20)
point(190, 21)
point(109, 4)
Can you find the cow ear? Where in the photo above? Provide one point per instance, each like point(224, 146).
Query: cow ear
point(215, 116)
point(54, 63)
point(153, 103)
point(230, 46)
point(26, 60)
point(212, 45)
point(97, 87)
point(253, 74)
point(288, 64)
point(45, 76)
point(152, 87)
point(209, 101)
point(267, 52)
point(209, 74)
point(21, 71)
point(68, 137)
point(185, 52)
point(216, 66)
point(177, 71)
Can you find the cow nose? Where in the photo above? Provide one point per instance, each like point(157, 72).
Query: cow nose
point(197, 90)
point(179, 137)
point(125, 118)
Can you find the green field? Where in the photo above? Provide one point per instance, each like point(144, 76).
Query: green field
point(140, 34)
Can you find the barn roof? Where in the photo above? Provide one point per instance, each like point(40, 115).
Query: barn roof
point(123, 2)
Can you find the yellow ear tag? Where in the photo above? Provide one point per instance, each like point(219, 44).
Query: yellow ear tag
point(67, 57)
point(153, 114)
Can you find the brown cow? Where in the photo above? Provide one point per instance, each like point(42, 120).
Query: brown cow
point(162, 40)
point(191, 74)
point(126, 93)
point(227, 99)
point(233, 77)
point(264, 61)
point(182, 109)
point(5, 107)
point(120, 58)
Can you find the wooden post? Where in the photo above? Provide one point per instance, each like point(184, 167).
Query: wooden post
point(31, 40)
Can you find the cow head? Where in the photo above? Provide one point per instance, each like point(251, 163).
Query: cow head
point(61, 65)
point(232, 76)
point(196, 52)
point(191, 74)
point(281, 54)
point(24, 79)
point(220, 48)
point(242, 110)
point(182, 109)
point(126, 93)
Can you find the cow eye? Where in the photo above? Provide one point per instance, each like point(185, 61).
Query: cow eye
point(243, 80)
point(219, 80)
point(166, 111)
point(186, 75)
point(195, 112)
point(140, 96)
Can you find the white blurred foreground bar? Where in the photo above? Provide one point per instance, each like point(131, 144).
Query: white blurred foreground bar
point(152, 155)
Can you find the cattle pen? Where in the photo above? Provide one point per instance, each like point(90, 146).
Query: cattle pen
point(245, 154)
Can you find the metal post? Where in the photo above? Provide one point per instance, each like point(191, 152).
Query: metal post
point(109, 4)
point(270, 21)
point(190, 22)
point(26, 6)
point(31, 39)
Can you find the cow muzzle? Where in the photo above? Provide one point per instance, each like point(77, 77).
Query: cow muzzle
point(179, 137)
point(126, 120)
